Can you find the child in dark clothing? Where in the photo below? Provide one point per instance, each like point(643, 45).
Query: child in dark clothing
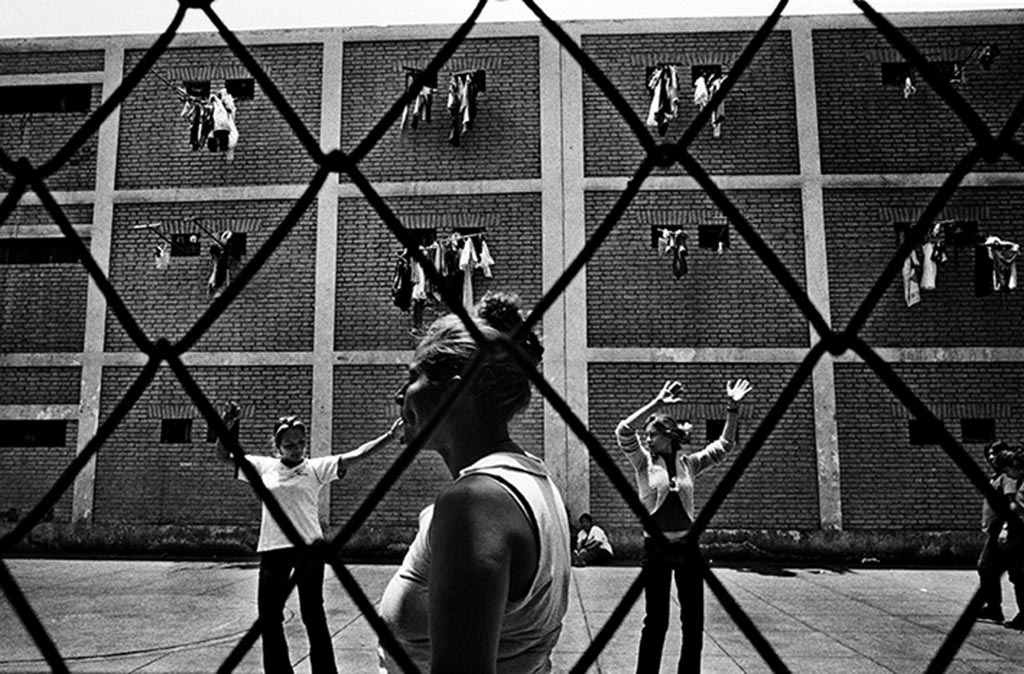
point(1002, 551)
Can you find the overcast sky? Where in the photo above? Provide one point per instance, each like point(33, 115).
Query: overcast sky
point(38, 18)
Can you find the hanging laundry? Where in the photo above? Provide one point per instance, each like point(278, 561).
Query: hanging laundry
point(912, 278)
point(663, 83)
point(700, 92)
point(434, 288)
point(225, 258)
point(162, 255)
point(401, 282)
point(664, 240)
point(703, 90)
point(468, 260)
point(679, 252)
point(672, 243)
point(933, 254)
point(486, 261)
point(463, 89)
point(452, 253)
point(1004, 262)
point(199, 115)
point(419, 291)
point(225, 134)
point(908, 87)
point(418, 109)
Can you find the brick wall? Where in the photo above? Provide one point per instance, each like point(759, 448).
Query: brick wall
point(366, 316)
point(759, 128)
point(505, 139)
point(887, 483)
point(635, 300)
point(779, 489)
point(154, 149)
point(41, 62)
point(140, 480)
point(273, 313)
point(364, 407)
point(39, 136)
point(920, 133)
point(39, 385)
point(27, 481)
point(861, 241)
point(42, 306)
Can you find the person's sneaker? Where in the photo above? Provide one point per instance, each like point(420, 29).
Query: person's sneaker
point(1017, 623)
point(993, 613)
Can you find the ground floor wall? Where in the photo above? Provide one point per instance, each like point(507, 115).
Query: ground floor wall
point(901, 495)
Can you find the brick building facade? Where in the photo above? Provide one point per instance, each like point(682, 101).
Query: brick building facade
point(819, 149)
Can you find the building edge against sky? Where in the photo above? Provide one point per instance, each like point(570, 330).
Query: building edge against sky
point(819, 146)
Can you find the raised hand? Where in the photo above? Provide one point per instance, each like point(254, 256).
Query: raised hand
point(736, 391)
point(670, 393)
point(396, 431)
point(231, 414)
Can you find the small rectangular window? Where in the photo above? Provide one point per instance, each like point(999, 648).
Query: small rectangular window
point(658, 230)
point(713, 237)
point(707, 71)
point(412, 73)
point(238, 243)
point(896, 74)
point(65, 98)
point(51, 250)
point(185, 245)
point(33, 433)
point(922, 432)
point(978, 430)
point(241, 89)
point(423, 237)
point(198, 88)
point(178, 431)
point(713, 429)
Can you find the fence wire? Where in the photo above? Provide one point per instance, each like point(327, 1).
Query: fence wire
point(988, 147)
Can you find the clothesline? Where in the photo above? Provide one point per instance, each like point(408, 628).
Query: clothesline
point(452, 238)
point(153, 227)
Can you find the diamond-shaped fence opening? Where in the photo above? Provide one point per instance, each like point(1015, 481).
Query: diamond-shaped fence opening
point(988, 147)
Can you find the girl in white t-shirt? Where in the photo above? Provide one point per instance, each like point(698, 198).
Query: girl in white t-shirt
point(295, 482)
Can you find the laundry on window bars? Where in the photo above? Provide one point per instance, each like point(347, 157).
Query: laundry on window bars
point(672, 242)
point(225, 257)
point(455, 259)
point(418, 109)
point(703, 89)
point(663, 84)
point(463, 89)
point(211, 122)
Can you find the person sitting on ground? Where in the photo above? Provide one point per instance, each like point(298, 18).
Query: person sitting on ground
point(592, 545)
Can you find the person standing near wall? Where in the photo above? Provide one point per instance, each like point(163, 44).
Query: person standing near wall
point(1013, 540)
point(295, 481)
point(664, 476)
point(994, 557)
point(485, 584)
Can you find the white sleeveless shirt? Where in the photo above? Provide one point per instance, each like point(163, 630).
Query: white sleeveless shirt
point(532, 625)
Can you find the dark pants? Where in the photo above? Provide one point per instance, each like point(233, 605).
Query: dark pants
point(991, 565)
point(657, 573)
point(275, 568)
point(997, 558)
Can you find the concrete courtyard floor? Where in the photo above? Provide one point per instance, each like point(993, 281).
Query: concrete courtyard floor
point(186, 616)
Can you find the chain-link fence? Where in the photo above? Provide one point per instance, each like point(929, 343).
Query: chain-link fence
point(988, 147)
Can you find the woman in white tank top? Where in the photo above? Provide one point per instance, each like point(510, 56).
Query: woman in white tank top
point(484, 585)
